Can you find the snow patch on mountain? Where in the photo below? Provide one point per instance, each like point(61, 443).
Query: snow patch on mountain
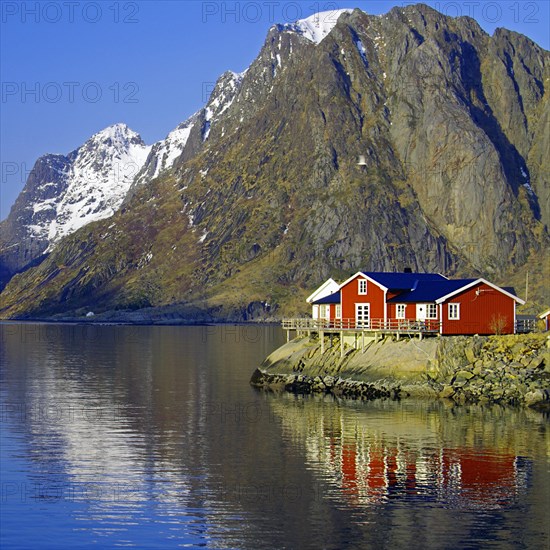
point(222, 98)
point(362, 51)
point(170, 148)
point(317, 26)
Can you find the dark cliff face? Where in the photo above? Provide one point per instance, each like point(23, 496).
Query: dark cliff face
point(21, 241)
point(268, 198)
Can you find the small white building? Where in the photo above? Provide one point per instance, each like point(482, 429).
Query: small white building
point(330, 286)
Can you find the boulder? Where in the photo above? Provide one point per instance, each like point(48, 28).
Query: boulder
point(447, 391)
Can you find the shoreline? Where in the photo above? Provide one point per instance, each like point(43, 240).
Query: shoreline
point(128, 322)
point(510, 370)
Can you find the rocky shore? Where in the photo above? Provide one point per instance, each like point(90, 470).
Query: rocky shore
point(513, 369)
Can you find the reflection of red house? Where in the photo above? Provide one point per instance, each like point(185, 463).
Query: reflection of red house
point(484, 473)
point(486, 478)
point(397, 301)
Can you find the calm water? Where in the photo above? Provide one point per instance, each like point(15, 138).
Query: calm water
point(151, 437)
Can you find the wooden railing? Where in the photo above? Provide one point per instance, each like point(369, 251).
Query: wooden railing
point(393, 325)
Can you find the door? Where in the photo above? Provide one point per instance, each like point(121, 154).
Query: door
point(325, 314)
point(421, 312)
point(362, 315)
point(315, 312)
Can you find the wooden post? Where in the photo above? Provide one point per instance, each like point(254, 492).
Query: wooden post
point(322, 338)
point(287, 335)
point(341, 344)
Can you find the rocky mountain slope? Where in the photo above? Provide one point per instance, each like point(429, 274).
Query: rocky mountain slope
point(267, 198)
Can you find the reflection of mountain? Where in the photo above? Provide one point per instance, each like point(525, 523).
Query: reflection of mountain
point(392, 450)
point(106, 431)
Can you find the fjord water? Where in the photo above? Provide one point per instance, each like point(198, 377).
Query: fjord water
point(151, 437)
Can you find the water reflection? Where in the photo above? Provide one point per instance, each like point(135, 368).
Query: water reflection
point(463, 457)
point(152, 436)
point(113, 428)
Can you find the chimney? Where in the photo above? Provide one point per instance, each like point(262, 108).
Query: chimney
point(407, 270)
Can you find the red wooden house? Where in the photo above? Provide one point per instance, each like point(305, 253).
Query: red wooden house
point(426, 301)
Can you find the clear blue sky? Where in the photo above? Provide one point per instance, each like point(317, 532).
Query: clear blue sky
point(69, 69)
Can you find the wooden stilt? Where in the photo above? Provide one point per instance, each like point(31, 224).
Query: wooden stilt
point(322, 338)
point(341, 344)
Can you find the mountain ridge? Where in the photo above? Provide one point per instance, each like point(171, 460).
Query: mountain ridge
point(273, 201)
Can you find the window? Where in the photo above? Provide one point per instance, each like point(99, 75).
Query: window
point(400, 311)
point(338, 313)
point(362, 286)
point(454, 312)
point(431, 312)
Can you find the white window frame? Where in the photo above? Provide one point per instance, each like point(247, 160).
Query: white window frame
point(400, 311)
point(338, 311)
point(431, 311)
point(362, 287)
point(453, 315)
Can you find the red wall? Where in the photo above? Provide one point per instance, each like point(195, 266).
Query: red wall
point(350, 296)
point(478, 311)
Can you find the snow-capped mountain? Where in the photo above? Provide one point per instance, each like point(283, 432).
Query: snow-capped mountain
point(66, 192)
point(316, 26)
point(98, 179)
point(261, 191)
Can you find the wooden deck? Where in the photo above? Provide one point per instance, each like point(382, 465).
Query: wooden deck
point(358, 332)
point(373, 325)
point(376, 327)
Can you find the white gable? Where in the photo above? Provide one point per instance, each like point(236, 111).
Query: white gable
point(474, 283)
point(330, 286)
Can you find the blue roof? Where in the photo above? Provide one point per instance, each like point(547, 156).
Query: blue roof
point(430, 291)
point(330, 299)
point(402, 281)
